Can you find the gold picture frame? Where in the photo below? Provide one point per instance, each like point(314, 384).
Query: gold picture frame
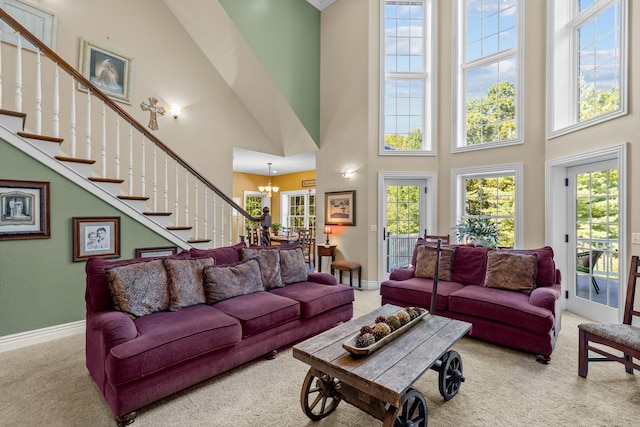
point(340, 208)
point(111, 71)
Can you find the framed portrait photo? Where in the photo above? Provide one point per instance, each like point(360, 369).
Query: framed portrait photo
point(96, 237)
point(340, 208)
point(153, 252)
point(25, 210)
point(109, 70)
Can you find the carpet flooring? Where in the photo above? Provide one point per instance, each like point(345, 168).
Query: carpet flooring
point(48, 385)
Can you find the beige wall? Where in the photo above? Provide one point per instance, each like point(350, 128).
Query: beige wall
point(350, 125)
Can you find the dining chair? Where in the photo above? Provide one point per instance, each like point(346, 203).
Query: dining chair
point(306, 241)
point(624, 337)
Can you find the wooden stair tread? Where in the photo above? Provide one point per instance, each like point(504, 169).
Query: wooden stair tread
point(75, 160)
point(112, 180)
point(40, 137)
point(179, 228)
point(198, 241)
point(157, 213)
point(133, 198)
point(13, 113)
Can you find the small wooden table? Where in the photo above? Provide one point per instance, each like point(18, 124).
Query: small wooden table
point(325, 250)
point(380, 383)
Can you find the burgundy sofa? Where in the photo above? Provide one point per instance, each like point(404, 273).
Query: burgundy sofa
point(138, 361)
point(521, 320)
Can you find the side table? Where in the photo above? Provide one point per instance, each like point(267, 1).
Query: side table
point(325, 250)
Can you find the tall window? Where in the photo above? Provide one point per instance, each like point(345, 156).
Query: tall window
point(491, 193)
point(587, 60)
point(488, 89)
point(408, 91)
point(300, 210)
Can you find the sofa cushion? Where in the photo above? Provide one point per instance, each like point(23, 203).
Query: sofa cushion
point(511, 308)
point(469, 264)
point(227, 281)
point(260, 311)
point(186, 281)
point(427, 259)
point(139, 289)
point(511, 271)
point(293, 266)
point(223, 255)
point(417, 291)
point(269, 260)
point(315, 298)
point(168, 338)
point(546, 265)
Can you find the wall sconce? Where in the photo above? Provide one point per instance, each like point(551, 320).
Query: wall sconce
point(327, 231)
point(175, 111)
point(348, 174)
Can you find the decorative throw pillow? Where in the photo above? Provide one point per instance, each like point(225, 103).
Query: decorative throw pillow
point(293, 266)
point(139, 289)
point(427, 259)
point(269, 260)
point(186, 281)
point(222, 282)
point(511, 271)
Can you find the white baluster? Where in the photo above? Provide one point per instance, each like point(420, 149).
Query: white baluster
point(18, 99)
point(142, 171)
point(154, 185)
point(195, 210)
point(166, 182)
point(206, 213)
point(221, 224)
point(186, 198)
point(73, 118)
point(130, 159)
point(231, 224)
point(56, 102)
point(87, 142)
point(117, 147)
point(38, 93)
point(103, 148)
point(176, 207)
point(213, 221)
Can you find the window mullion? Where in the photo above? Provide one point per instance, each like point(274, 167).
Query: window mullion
point(491, 59)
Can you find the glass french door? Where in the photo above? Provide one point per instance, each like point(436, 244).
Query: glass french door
point(595, 285)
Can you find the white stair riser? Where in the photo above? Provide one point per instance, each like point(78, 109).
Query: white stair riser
point(82, 168)
point(183, 234)
point(139, 205)
point(201, 245)
point(13, 123)
point(51, 148)
point(161, 220)
point(110, 187)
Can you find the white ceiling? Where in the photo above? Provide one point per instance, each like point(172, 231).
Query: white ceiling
point(254, 162)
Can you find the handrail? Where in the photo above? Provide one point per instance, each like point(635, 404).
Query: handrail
point(98, 93)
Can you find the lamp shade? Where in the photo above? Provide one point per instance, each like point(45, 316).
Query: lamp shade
point(327, 231)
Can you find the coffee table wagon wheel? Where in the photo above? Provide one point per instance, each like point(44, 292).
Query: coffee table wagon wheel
point(411, 413)
point(450, 376)
point(318, 397)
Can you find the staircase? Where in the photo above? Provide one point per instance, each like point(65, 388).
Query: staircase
point(158, 188)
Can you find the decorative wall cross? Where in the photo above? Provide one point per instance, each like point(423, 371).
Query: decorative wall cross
point(153, 110)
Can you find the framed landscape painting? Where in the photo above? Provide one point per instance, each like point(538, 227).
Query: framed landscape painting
point(109, 70)
point(340, 208)
point(96, 237)
point(25, 210)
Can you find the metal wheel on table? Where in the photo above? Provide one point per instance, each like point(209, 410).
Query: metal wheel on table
point(318, 397)
point(450, 376)
point(411, 413)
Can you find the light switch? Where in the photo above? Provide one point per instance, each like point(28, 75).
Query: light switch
point(635, 238)
point(373, 228)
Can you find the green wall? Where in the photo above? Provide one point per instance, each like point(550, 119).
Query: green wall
point(40, 285)
point(285, 36)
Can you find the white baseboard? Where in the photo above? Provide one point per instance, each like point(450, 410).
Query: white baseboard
point(38, 336)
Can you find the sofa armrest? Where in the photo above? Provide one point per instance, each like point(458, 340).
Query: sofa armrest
point(323, 278)
point(114, 326)
point(402, 273)
point(545, 297)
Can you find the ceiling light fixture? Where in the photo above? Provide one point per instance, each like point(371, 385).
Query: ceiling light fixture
point(269, 189)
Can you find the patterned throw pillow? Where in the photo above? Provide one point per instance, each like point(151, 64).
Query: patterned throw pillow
point(293, 266)
point(427, 258)
point(186, 281)
point(222, 282)
point(139, 289)
point(511, 271)
point(269, 260)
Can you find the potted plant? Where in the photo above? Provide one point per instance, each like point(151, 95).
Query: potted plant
point(276, 227)
point(480, 231)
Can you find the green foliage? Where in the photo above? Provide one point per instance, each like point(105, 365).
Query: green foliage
point(597, 205)
point(403, 143)
point(403, 209)
point(492, 118)
point(594, 103)
point(276, 226)
point(480, 230)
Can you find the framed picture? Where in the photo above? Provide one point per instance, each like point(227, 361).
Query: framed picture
point(340, 208)
point(153, 252)
point(25, 210)
point(308, 183)
point(96, 237)
point(109, 70)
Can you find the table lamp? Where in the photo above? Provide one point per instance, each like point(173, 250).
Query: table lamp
point(327, 231)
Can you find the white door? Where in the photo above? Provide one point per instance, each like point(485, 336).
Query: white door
point(405, 214)
point(595, 277)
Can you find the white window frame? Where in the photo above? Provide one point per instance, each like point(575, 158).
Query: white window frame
point(562, 80)
point(458, 177)
point(285, 199)
point(459, 139)
point(428, 77)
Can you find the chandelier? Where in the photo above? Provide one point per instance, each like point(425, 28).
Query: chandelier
point(269, 189)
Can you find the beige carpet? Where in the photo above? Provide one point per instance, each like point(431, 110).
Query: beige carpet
point(48, 384)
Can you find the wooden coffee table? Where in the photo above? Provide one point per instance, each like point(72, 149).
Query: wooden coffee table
point(380, 383)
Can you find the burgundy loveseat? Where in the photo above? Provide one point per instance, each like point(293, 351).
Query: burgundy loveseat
point(526, 319)
point(137, 361)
